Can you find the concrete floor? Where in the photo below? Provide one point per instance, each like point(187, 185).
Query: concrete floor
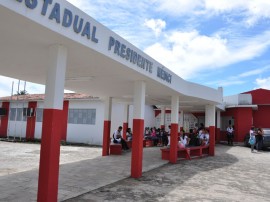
point(234, 174)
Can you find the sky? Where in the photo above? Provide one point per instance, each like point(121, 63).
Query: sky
point(216, 43)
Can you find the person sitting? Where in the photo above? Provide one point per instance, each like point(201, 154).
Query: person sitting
point(147, 133)
point(117, 138)
point(204, 137)
point(184, 138)
point(129, 134)
point(154, 136)
point(164, 137)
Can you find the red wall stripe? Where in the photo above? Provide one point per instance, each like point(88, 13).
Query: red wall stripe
point(31, 123)
point(4, 120)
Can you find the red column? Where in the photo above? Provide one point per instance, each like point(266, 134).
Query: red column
point(125, 127)
point(137, 148)
point(64, 120)
point(106, 138)
point(212, 140)
point(49, 156)
point(31, 123)
point(173, 142)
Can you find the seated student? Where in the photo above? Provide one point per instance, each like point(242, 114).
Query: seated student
point(204, 137)
point(164, 137)
point(117, 138)
point(147, 133)
point(154, 136)
point(129, 134)
point(184, 139)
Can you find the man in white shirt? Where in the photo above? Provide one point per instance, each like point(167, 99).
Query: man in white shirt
point(117, 138)
point(230, 135)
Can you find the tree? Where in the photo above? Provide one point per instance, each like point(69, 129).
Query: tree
point(22, 92)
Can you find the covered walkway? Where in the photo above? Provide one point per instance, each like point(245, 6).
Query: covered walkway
point(75, 178)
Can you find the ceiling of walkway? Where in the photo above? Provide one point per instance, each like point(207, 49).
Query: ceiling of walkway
point(24, 52)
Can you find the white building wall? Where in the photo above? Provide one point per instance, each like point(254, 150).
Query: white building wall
point(84, 133)
point(38, 127)
point(17, 128)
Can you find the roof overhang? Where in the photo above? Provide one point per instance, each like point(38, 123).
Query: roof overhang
point(95, 66)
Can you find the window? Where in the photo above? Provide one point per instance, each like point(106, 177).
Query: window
point(16, 114)
point(82, 116)
point(39, 115)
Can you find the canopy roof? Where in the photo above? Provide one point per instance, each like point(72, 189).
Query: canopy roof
point(99, 63)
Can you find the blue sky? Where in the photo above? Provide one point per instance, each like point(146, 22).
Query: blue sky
point(211, 42)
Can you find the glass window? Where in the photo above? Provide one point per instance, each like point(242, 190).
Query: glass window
point(17, 114)
point(39, 115)
point(82, 116)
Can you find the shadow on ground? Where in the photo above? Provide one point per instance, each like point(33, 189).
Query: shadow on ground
point(156, 184)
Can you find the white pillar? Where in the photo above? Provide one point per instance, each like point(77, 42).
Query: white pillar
point(210, 118)
point(51, 135)
point(138, 129)
point(55, 82)
point(210, 115)
point(162, 117)
point(218, 118)
point(181, 119)
point(139, 100)
point(174, 128)
point(107, 126)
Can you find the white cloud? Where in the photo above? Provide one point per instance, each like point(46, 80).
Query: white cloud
point(251, 10)
point(189, 53)
point(157, 25)
point(263, 83)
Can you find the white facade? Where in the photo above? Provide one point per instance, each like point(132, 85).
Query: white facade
point(79, 133)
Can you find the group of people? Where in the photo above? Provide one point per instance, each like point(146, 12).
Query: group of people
point(256, 138)
point(118, 139)
point(158, 136)
point(198, 136)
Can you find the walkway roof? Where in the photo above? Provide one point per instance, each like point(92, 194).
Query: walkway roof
point(99, 66)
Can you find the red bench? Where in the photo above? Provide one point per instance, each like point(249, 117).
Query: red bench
point(148, 143)
point(115, 149)
point(186, 153)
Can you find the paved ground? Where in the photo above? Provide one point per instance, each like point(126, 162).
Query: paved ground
point(234, 174)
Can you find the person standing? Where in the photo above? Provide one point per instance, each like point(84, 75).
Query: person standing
point(252, 138)
point(259, 136)
point(230, 134)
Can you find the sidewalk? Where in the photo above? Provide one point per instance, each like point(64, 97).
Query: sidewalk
point(75, 178)
point(233, 174)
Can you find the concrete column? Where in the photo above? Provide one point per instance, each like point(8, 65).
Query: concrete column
point(218, 127)
point(107, 126)
point(51, 129)
point(181, 120)
point(210, 123)
point(174, 128)
point(125, 121)
point(138, 129)
point(162, 117)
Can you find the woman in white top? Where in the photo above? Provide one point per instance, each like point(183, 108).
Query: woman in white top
point(252, 138)
point(204, 137)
